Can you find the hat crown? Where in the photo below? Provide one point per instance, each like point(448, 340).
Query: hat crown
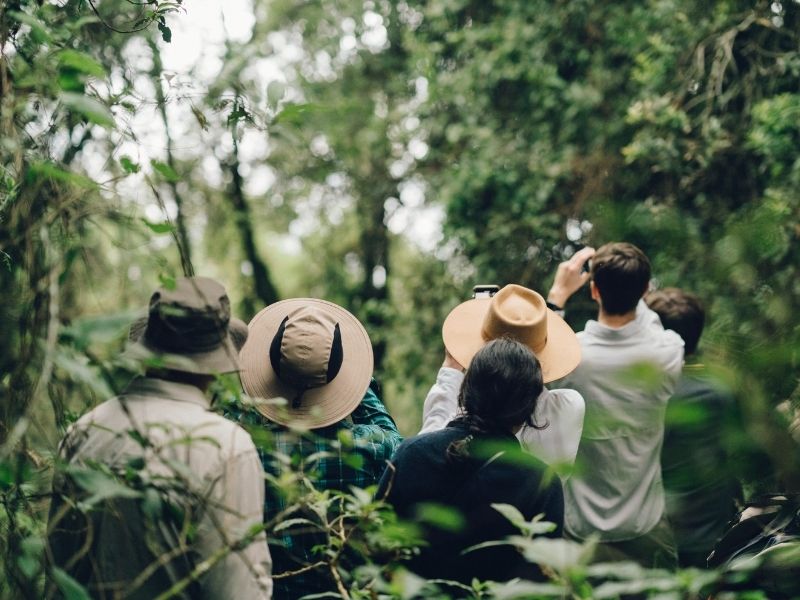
point(519, 313)
point(310, 349)
point(191, 316)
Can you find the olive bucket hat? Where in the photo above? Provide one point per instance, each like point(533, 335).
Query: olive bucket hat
point(188, 329)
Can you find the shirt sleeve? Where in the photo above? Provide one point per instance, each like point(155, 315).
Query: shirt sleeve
point(441, 403)
point(561, 412)
point(238, 506)
point(374, 428)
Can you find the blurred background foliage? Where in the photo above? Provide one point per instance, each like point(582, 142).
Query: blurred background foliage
point(387, 155)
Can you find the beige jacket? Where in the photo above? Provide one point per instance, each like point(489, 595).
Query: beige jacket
point(193, 489)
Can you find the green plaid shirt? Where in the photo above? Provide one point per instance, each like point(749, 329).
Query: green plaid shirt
point(352, 452)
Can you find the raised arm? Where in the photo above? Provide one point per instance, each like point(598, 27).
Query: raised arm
point(570, 277)
point(441, 403)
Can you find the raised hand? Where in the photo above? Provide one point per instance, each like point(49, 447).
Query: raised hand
point(570, 277)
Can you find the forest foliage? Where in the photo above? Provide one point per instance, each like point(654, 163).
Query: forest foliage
point(529, 128)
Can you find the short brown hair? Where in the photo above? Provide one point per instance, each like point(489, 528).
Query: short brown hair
point(680, 311)
point(621, 273)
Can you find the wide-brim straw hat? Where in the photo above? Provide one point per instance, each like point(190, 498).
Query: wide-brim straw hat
point(323, 404)
point(187, 329)
point(521, 314)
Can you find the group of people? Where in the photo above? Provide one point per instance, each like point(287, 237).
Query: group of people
point(159, 494)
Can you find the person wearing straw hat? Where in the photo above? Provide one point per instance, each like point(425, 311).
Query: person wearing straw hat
point(521, 314)
point(629, 370)
point(308, 363)
point(147, 467)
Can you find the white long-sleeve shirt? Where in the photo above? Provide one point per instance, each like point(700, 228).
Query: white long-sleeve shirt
point(561, 410)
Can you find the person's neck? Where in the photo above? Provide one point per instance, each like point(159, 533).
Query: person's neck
point(203, 382)
point(615, 321)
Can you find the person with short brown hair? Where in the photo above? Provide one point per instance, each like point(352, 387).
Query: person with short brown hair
point(617, 492)
point(702, 491)
point(680, 311)
point(620, 273)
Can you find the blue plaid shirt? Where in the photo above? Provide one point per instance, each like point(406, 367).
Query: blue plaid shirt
point(352, 452)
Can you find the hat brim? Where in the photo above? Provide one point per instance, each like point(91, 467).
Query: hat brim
point(320, 406)
point(223, 359)
point(463, 337)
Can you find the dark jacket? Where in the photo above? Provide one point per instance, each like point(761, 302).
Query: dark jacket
point(699, 472)
point(424, 474)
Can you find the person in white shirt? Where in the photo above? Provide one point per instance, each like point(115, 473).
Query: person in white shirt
point(554, 431)
point(629, 368)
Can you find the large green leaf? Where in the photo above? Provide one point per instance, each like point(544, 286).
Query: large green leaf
point(71, 589)
point(91, 108)
point(82, 62)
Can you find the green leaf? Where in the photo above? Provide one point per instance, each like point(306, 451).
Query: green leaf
point(558, 554)
point(79, 369)
point(71, 589)
point(288, 523)
point(91, 108)
point(88, 331)
point(81, 62)
point(533, 527)
point(128, 165)
point(167, 281)
point(294, 114)
point(275, 92)
point(201, 117)
point(159, 228)
point(525, 589)
point(101, 486)
point(38, 28)
point(164, 170)
point(443, 517)
point(42, 170)
point(166, 32)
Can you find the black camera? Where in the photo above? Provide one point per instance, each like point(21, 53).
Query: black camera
point(485, 291)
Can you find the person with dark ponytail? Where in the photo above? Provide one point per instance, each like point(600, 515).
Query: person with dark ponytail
point(474, 462)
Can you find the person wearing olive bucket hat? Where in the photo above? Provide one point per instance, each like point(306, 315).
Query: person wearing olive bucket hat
point(160, 438)
point(308, 365)
point(521, 314)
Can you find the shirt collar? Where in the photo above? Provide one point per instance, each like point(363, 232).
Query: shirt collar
point(644, 317)
point(167, 390)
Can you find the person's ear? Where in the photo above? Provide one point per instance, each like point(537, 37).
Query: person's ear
point(594, 291)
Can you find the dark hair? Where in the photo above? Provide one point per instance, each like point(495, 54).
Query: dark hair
point(621, 273)
point(499, 391)
point(680, 311)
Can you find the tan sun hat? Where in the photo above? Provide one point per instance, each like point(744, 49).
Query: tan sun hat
point(187, 329)
point(520, 314)
point(311, 352)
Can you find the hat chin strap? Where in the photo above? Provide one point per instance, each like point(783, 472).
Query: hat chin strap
point(298, 399)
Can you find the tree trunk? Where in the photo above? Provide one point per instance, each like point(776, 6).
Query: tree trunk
point(263, 286)
point(182, 237)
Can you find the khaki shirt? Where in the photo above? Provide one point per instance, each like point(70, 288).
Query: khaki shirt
point(193, 487)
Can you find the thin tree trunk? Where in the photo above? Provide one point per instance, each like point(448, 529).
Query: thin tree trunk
point(185, 247)
point(374, 243)
point(263, 286)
